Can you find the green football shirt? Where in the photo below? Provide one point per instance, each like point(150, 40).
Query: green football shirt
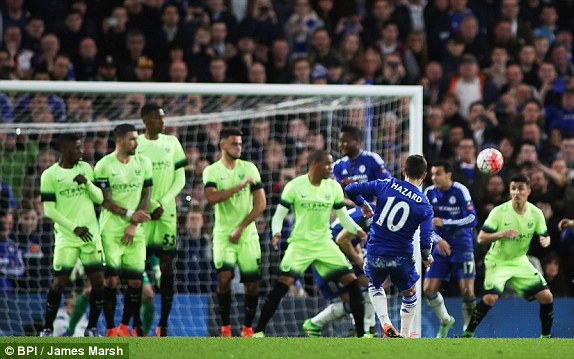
point(72, 200)
point(126, 181)
point(167, 156)
point(504, 217)
point(230, 213)
point(312, 208)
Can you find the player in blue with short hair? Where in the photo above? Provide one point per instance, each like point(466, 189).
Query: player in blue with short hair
point(454, 218)
point(357, 164)
point(401, 209)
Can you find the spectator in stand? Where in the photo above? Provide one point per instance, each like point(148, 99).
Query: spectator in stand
point(274, 161)
point(170, 32)
point(474, 43)
point(36, 248)
point(194, 270)
point(113, 37)
point(219, 13)
point(63, 69)
point(561, 117)
point(502, 36)
point(144, 70)
point(277, 67)
point(200, 54)
point(300, 26)
point(465, 171)
point(6, 109)
point(558, 281)
point(261, 22)
point(11, 261)
point(458, 11)
point(437, 27)
point(134, 49)
point(528, 65)
point(541, 46)
point(21, 57)
point(219, 44)
point(548, 26)
point(434, 133)
point(239, 64)
point(394, 72)
point(14, 14)
point(72, 32)
point(50, 47)
point(494, 195)
point(381, 12)
point(321, 47)
point(520, 30)
point(514, 77)
point(483, 124)
point(297, 132)
point(471, 85)
point(497, 69)
point(33, 35)
point(389, 40)
point(452, 58)
point(560, 57)
point(547, 77)
point(86, 65)
point(415, 56)
point(301, 71)
point(369, 67)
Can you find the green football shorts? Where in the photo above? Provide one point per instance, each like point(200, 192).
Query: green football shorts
point(66, 255)
point(246, 254)
point(161, 234)
point(328, 259)
point(129, 261)
point(524, 278)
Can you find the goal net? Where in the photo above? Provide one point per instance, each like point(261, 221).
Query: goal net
point(281, 125)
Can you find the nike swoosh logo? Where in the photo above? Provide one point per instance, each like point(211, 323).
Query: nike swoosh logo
point(60, 179)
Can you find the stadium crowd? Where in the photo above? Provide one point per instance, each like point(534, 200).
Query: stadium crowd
point(495, 74)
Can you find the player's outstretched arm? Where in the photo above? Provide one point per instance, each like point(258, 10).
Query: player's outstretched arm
point(347, 222)
point(277, 223)
point(355, 191)
point(259, 204)
point(487, 238)
point(344, 240)
point(214, 196)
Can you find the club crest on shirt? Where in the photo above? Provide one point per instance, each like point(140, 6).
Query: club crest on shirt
point(241, 176)
point(452, 200)
point(138, 172)
point(530, 225)
point(167, 149)
point(362, 168)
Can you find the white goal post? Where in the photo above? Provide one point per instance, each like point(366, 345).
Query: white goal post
point(325, 106)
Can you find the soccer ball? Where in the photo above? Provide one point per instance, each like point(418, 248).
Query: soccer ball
point(489, 161)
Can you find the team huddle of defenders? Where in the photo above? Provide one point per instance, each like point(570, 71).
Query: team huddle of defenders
point(138, 199)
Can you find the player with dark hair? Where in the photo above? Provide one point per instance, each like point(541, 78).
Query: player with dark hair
point(357, 164)
point(68, 196)
point(234, 188)
point(168, 162)
point(126, 181)
point(312, 197)
point(509, 228)
point(400, 210)
point(454, 218)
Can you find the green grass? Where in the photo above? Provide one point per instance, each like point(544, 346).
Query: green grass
point(336, 348)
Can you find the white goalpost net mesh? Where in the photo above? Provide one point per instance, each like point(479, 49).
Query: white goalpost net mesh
point(281, 127)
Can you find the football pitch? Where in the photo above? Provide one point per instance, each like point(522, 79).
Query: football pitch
point(293, 348)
